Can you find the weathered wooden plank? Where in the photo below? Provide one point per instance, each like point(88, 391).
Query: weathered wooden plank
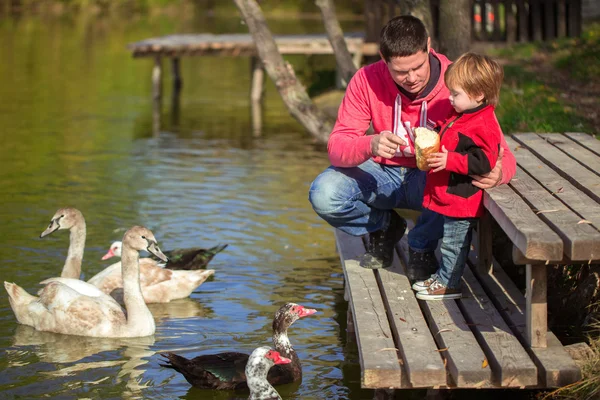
point(581, 241)
point(534, 238)
point(556, 368)
point(586, 140)
point(575, 199)
point(536, 321)
point(422, 362)
point(574, 150)
point(243, 44)
point(581, 177)
point(510, 363)
point(484, 235)
point(463, 355)
point(380, 367)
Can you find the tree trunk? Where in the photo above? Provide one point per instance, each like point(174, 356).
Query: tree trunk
point(422, 10)
point(291, 90)
point(455, 27)
point(335, 34)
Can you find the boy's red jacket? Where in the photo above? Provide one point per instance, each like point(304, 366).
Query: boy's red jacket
point(473, 141)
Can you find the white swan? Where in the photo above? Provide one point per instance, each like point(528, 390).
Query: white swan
point(159, 285)
point(73, 307)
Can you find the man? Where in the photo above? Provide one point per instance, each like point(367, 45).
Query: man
point(371, 175)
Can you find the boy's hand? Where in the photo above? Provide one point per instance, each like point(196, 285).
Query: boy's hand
point(437, 161)
point(385, 144)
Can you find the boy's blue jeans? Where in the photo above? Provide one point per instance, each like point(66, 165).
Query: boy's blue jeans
point(455, 249)
point(357, 200)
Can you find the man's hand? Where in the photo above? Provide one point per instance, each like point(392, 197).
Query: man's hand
point(438, 160)
point(493, 178)
point(385, 144)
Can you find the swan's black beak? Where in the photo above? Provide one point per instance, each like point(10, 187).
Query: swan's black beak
point(53, 227)
point(154, 249)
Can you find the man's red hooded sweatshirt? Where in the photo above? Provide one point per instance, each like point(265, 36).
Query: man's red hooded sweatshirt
point(472, 140)
point(372, 98)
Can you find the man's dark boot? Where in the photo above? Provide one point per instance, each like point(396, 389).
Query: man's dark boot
point(421, 265)
point(380, 249)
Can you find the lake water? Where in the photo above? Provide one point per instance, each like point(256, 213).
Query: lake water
point(77, 131)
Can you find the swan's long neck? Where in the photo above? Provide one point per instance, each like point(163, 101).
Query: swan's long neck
point(72, 267)
point(139, 317)
point(256, 377)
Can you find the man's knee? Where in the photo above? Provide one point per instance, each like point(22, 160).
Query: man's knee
point(326, 194)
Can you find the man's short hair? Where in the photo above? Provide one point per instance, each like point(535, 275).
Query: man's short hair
point(476, 74)
point(403, 36)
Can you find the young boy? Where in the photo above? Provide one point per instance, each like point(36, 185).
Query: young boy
point(469, 144)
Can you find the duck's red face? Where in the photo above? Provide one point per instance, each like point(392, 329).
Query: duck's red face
point(302, 311)
point(277, 358)
point(111, 253)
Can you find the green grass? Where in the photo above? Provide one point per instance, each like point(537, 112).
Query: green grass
point(588, 387)
point(527, 105)
point(581, 56)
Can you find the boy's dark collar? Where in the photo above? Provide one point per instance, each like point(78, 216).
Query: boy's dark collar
point(476, 109)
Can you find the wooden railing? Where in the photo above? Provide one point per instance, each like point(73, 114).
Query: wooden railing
point(495, 20)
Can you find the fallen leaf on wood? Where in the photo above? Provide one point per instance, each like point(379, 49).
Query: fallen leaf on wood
point(484, 364)
point(545, 211)
point(402, 319)
point(560, 190)
point(444, 349)
point(584, 221)
point(444, 330)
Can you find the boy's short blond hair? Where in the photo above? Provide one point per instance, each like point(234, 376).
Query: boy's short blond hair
point(477, 75)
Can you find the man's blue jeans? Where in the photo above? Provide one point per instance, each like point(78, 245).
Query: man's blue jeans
point(455, 249)
point(357, 200)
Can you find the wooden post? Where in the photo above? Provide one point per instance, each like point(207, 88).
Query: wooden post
point(561, 19)
point(535, 12)
point(157, 79)
point(484, 21)
point(523, 21)
point(177, 85)
point(574, 13)
point(156, 95)
point(350, 330)
point(497, 33)
point(549, 20)
point(485, 261)
point(511, 22)
point(537, 310)
point(177, 82)
point(256, 94)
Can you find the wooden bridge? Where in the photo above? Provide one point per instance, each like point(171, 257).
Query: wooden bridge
point(173, 47)
point(494, 336)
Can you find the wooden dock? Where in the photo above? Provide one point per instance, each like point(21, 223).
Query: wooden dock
point(234, 45)
point(478, 341)
point(495, 336)
point(174, 47)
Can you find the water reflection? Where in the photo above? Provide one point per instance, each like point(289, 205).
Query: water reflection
point(57, 348)
point(180, 309)
point(204, 179)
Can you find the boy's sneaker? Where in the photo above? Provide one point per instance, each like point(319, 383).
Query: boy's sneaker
point(424, 285)
point(438, 291)
point(421, 265)
point(380, 249)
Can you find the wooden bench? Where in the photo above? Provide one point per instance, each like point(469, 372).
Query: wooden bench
point(494, 336)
